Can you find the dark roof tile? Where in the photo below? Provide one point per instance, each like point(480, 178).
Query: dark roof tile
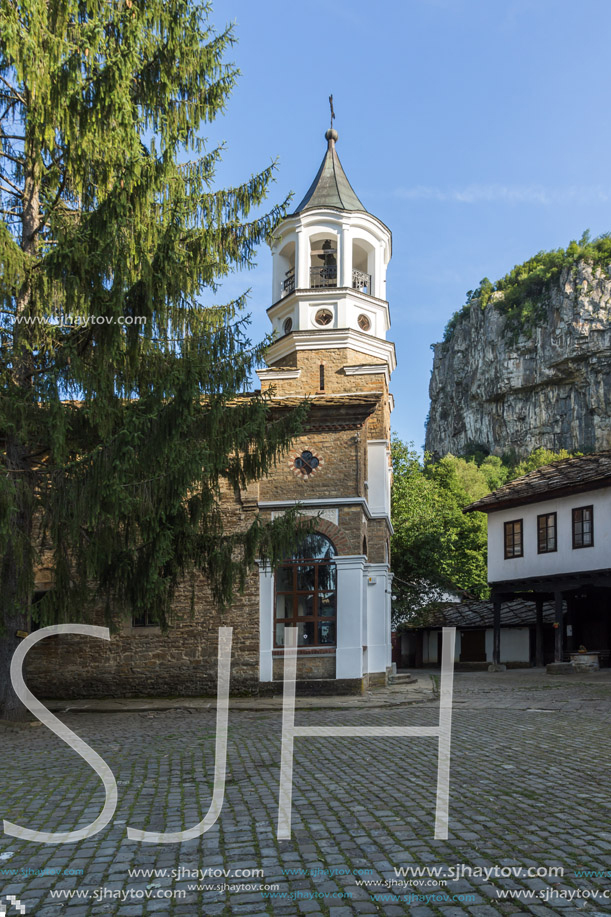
point(330, 188)
point(518, 613)
point(579, 473)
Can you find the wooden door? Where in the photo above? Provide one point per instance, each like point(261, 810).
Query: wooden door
point(473, 646)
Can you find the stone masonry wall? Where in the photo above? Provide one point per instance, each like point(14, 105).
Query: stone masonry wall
point(308, 361)
point(144, 661)
point(342, 454)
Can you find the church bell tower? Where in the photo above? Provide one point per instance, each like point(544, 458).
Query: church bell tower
point(330, 319)
point(329, 310)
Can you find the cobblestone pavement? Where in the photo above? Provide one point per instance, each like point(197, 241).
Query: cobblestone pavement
point(530, 788)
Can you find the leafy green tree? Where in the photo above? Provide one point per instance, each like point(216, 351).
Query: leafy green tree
point(538, 458)
point(114, 426)
point(494, 471)
point(436, 547)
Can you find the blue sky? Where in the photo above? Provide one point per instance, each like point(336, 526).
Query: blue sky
point(477, 130)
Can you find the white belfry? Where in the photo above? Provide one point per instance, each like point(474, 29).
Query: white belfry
point(329, 271)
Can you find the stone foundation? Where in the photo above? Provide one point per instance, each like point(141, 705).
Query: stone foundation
point(308, 667)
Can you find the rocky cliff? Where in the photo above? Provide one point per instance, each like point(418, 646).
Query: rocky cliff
point(546, 386)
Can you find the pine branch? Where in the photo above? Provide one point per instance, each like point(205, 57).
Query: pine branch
point(52, 206)
point(18, 160)
point(9, 192)
point(16, 190)
point(16, 95)
point(125, 434)
point(10, 105)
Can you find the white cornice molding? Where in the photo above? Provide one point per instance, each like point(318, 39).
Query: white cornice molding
point(352, 218)
point(333, 339)
point(325, 293)
point(378, 568)
point(323, 502)
point(326, 396)
point(273, 375)
point(367, 369)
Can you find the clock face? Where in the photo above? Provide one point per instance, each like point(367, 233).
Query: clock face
point(364, 322)
point(305, 464)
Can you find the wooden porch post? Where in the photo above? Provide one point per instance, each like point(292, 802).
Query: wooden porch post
point(559, 628)
point(496, 645)
point(539, 657)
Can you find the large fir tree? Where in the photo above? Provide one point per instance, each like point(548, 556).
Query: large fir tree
point(116, 383)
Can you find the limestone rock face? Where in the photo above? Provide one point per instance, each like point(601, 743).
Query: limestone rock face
point(551, 388)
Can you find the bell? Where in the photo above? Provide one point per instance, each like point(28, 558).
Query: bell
point(327, 252)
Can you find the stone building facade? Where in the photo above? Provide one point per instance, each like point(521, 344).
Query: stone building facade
point(331, 318)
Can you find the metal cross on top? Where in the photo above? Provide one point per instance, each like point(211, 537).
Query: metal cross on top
point(332, 112)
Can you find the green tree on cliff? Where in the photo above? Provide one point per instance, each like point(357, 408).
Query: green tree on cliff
point(113, 426)
point(436, 547)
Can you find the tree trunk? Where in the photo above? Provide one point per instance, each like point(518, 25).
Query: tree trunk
point(16, 617)
point(11, 707)
point(17, 563)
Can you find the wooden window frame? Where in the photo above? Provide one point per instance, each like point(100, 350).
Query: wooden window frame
point(582, 509)
point(513, 522)
point(145, 618)
point(315, 618)
point(546, 549)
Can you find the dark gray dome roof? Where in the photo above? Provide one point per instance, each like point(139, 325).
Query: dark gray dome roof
point(330, 188)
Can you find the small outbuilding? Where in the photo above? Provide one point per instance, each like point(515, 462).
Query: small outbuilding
point(522, 632)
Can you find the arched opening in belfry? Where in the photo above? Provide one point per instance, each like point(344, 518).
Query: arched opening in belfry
point(286, 261)
point(362, 266)
point(323, 261)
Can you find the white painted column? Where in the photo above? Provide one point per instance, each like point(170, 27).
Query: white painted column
point(302, 260)
point(276, 280)
point(345, 260)
point(364, 629)
point(349, 654)
point(377, 578)
point(379, 273)
point(389, 580)
point(266, 622)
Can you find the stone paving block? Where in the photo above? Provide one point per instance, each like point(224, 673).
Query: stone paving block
point(308, 906)
point(483, 911)
point(373, 810)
